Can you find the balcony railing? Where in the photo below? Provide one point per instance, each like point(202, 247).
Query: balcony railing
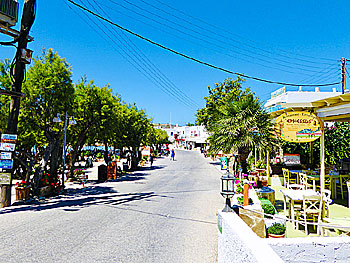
point(8, 11)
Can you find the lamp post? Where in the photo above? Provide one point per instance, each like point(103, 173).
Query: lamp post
point(72, 122)
point(227, 190)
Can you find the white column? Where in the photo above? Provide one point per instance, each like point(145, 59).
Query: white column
point(322, 171)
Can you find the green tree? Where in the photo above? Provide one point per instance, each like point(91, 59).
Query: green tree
point(236, 121)
point(49, 91)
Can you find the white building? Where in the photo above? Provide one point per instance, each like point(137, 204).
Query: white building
point(187, 136)
point(283, 99)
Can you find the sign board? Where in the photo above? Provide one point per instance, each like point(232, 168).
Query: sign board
point(5, 178)
point(6, 164)
point(298, 126)
point(9, 138)
point(146, 151)
point(5, 155)
point(223, 161)
point(291, 159)
point(8, 147)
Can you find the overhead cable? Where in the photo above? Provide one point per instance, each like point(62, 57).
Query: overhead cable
point(261, 49)
point(194, 59)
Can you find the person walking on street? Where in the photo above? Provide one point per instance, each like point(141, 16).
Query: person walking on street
point(172, 155)
point(151, 159)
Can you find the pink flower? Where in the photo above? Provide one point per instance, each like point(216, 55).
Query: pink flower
point(237, 181)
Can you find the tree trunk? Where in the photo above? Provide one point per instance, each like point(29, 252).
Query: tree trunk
point(243, 155)
point(105, 154)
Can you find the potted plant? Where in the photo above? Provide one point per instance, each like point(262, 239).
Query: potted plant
point(268, 209)
point(277, 230)
point(22, 190)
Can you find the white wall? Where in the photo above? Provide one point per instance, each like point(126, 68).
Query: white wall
point(312, 249)
point(238, 243)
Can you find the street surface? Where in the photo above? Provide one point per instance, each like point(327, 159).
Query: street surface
point(163, 214)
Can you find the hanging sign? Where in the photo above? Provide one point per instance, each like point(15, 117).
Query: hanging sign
point(8, 147)
point(6, 164)
point(9, 138)
point(298, 126)
point(291, 159)
point(5, 178)
point(5, 155)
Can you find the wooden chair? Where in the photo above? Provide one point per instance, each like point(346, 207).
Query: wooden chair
point(326, 201)
point(311, 211)
point(341, 184)
point(285, 173)
point(293, 177)
point(304, 181)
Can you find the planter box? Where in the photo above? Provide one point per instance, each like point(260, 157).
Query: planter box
point(22, 193)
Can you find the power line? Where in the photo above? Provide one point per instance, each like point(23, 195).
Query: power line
point(194, 59)
point(182, 32)
point(201, 35)
point(136, 64)
point(217, 34)
point(173, 88)
point(226, 31)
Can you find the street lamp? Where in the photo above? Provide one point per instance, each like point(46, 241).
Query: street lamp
point(71, 122)
point(227, 190)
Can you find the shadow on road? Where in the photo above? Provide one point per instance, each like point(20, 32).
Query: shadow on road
point(76, 199)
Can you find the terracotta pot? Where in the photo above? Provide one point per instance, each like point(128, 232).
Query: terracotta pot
point(276, 236)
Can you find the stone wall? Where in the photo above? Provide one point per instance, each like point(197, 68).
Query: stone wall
point(237, 242)
point(312, 249)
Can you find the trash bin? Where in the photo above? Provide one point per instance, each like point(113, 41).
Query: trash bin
point(102, 173)
point(125, 166)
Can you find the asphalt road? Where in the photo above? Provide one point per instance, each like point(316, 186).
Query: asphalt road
point(163, 214)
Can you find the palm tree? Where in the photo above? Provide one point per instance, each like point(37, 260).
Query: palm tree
point(243, 123)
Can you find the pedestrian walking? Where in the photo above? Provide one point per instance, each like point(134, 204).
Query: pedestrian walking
point(172, 155)
point(151, 159)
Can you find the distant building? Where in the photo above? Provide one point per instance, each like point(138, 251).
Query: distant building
point(185, 136)
point(283, 99)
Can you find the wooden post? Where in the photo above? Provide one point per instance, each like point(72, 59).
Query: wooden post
point(246, 195)
point(322, 152)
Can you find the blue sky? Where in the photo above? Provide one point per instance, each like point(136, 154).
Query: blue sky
point(288, 41)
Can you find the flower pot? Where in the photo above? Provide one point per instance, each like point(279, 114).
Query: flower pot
point(22, 193)
point(277, 236)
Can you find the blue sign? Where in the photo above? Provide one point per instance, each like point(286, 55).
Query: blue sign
point(223, 161)
point(6, 164)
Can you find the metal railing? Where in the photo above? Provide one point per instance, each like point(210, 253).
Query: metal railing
point(9, 8)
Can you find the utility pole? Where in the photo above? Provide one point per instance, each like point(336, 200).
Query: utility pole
point(343, 60)
point(27, 21)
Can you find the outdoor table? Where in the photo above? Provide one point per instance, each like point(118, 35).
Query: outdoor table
point(294, 195)
point(342, 224)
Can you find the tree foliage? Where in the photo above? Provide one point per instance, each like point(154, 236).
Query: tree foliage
point(101, 116)
point(235, 120)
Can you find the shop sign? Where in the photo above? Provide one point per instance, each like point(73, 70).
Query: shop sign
point(5, 178)
point(146, 151)
point(223, 161)
point(8, 147)
point(5, 155)
point(9, 138)
point(298, 126)
point(291, 159)
point(6, 164)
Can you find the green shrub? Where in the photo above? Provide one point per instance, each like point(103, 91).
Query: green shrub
point(276, 229)
point(99, 155)
point(268, 209)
